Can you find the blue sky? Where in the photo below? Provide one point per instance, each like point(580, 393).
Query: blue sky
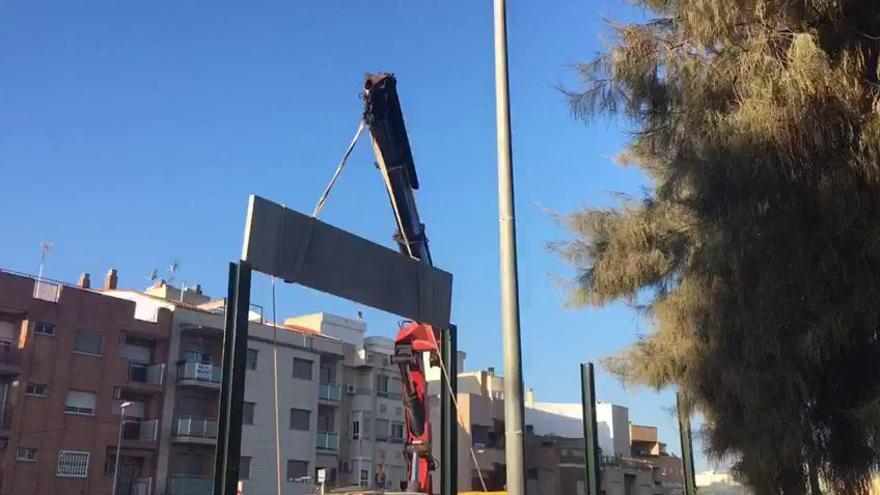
point(131, 134)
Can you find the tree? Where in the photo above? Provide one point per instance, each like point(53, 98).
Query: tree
point(756, 254)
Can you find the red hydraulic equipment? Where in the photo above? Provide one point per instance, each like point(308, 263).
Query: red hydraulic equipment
point(415, 341)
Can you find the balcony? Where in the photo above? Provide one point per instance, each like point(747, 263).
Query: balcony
point(47, 291)
point(140, 431)
point(146, 374)
point(330, 392)
point(327, 441)
point(198, 374)
point(10, 358)
point(389, 395)
point(6, 411)
point(141, 486)
point(191, 429)
point(191, 485)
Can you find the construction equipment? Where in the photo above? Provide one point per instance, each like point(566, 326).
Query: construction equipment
point(383, 116)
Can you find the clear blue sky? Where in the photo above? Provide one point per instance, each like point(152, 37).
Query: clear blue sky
point(131, 134)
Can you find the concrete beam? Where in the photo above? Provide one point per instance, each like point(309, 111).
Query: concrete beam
point(300, 249)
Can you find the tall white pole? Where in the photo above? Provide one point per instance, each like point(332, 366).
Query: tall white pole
point(513, 396)
point(119, 443)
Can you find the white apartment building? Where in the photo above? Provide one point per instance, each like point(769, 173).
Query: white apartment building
point(309, 367)
point(372, 436)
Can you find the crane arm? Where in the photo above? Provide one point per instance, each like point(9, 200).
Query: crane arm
point(383, 115)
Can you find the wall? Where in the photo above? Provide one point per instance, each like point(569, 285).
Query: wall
point(41, 422)
point(615, 440)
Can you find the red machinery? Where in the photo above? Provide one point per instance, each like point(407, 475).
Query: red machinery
point(414, 340)
point(383, 115)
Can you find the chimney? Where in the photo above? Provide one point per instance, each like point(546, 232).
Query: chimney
point(84, 281)
point(530, 397)
point(491, 370)
point(111, 279)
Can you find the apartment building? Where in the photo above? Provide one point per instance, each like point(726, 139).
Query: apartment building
point(309, 369)
point(70, 359)
point(554, 451)
point(371, 453)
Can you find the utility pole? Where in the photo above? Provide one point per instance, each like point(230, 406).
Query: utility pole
point(122, 408)
point(513, 395)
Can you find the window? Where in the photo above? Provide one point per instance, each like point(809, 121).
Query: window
point(302, 369)
point(251, 359)
point(300, 419)
point(80, 403)
point(296, 470)
point(88, 343)
point(383, 430)
point(397, 431)
point(247, 413)
point(198, 354)
point(360, 425)
point(383, 408)
point(382, 385)
point(26, 454)
point(480, 435)
point(355, 427)
point(36, 389)
point(73, 464)
point(398, 411)
point(244, 468)
point(365, 478)
point(44, 328)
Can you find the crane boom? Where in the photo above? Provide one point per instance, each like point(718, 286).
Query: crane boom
point(383, 115)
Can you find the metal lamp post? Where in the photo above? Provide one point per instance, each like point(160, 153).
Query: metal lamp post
point(119, 443)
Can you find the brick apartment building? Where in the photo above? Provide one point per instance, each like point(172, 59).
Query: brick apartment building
point(69, 358)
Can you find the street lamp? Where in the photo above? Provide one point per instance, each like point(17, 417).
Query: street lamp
point(119, 442)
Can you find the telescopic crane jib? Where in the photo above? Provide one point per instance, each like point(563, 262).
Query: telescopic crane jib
point(383, 116)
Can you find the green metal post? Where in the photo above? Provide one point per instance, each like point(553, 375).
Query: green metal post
point(687, 447)
point(591, 438)
point(449, 414)
point(226, 462)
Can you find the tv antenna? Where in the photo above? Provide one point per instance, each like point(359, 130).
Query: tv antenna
point(45, 248)
point(172, 271)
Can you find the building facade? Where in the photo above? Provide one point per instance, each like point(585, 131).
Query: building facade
point(371, 453)
point(554, 449)
point(70, 358)
point(309, 396)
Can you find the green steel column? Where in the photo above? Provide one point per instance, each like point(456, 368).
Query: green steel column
point(687, 447)
point(591, 438)
point(449, 414)
point(226, 463)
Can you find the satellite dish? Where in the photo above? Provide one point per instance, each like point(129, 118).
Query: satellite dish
point(154, 275)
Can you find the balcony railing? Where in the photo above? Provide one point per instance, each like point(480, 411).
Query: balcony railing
point(389, 394)
point(140, 431)
point(328, 391)
point(191, 485)
point(327, 441)
point(9, 353)
point(141, 486)
point(191, 426)
point(151, 374)
point(47, 291)
point(6, 411)
point(202, 372)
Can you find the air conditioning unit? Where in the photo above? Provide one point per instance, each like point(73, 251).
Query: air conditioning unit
point(479, 446)
point(350, 389)
point(345, 466)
